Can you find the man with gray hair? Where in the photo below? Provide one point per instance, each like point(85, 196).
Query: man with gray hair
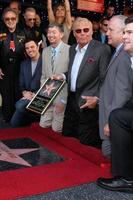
point(29, 26)
point(121, 131)
point(117, 86)
point(30, 17)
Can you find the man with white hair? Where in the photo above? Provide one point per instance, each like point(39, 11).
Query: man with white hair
point(87, 68)
point(29, 26)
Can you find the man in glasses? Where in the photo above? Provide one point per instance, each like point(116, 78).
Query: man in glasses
point(100, 35)
point(11, 54)
point(30, 18)
point(87, 67)
point(16, 6)
point(121, 131)
point(30, 27)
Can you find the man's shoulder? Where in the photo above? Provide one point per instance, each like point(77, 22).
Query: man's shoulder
point(25, 62)
point(46, 50)
point(66, 45)
point(100, 48)
point(73, 47)
point(98, 44)
point(96, 35)
point(124, 53)
point(124, 57)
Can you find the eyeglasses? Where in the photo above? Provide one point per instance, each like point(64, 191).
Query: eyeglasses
point(105, 24)
point(10, 19)
point(85, 30)
point(31, 19)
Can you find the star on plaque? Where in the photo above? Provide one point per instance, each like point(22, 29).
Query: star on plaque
point(12, 155)
point(49, 89)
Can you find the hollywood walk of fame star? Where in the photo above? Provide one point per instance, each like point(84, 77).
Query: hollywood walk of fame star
point(49, 88)
point(12, 155)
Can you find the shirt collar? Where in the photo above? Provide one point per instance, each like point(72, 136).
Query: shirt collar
point(81, 49)
point(57, 47)
point(131, 59)
point(118, 47)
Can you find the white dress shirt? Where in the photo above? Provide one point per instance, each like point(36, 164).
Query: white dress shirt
point(80, 52)
point(131, 62)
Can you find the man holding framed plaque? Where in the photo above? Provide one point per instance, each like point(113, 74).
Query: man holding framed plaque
point(55, 59)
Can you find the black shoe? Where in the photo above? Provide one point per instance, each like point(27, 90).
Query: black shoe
point(116, 184)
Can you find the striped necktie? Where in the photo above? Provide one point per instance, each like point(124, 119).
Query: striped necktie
point(53, 58)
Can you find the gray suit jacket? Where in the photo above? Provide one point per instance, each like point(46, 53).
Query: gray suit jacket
point(61, 66)
point(92, 69)
point(116, 89)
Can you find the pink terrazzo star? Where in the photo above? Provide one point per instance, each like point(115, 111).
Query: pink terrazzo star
point(12, 155)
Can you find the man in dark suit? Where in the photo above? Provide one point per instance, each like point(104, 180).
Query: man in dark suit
point(121, 131)
point(100, 35)
point(117, 86)
point(87, 67)
point(30, 74)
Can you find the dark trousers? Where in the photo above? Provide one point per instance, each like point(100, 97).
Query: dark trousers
point(23, 117)
point(121, 130)
point(82, 124)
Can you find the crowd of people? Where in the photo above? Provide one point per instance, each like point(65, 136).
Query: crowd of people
point(95, 106)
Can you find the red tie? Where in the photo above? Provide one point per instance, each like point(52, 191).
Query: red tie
point(12, 45)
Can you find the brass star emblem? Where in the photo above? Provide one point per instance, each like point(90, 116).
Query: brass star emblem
point(49, 88)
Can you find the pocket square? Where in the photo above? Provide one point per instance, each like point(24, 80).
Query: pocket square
point(90, 60)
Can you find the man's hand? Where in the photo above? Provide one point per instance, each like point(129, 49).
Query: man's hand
point(91, 102)
point(28, 95)
point(57, 77)
point(1, 74)
point(106, 130)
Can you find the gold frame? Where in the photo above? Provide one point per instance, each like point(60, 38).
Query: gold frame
point(45, 95)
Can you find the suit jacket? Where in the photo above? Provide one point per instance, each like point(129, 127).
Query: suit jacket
point(92, 69)
point(97, 36)
point(61, 66)
point(27, 81)
point(117, 87)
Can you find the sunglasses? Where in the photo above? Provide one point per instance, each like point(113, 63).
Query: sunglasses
point(32, 19)
point(85, 30)
point(105, 24)
point(10, 19)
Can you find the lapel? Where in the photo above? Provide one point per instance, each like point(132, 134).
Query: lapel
point(58, 57)
point(114, 58)
point(28, 73)
point(29, 70)
point(47, 59)
point(88, 54)
point(72, 54)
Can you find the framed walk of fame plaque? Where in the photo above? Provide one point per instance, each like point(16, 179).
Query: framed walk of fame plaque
point(45, 95)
